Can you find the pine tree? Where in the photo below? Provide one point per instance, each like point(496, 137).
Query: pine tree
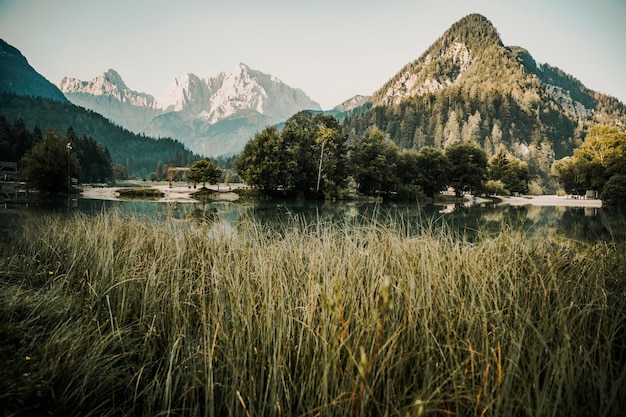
point(451, 133)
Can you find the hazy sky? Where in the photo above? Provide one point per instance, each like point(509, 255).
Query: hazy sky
point(331, 49)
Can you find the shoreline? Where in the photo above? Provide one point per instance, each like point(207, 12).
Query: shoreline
point(176, 194)
point(549, 200)
point(182, 193)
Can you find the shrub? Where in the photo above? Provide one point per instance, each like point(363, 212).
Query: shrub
point(614, 191)
point(496, 187)
point(141, 192)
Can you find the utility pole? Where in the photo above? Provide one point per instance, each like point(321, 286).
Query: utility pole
point(69, 181)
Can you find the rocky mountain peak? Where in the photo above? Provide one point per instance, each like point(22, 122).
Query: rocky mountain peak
point(107, 84)
point(474, 30)
point(219, 97)
point(186, 93)
point(114, 78)
point(352, 103)
point(444, 63)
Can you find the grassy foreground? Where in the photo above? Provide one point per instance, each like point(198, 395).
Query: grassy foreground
point(110, 316)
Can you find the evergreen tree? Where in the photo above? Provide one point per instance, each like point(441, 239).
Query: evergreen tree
point(451, 133)
point(471, 129)
point(419, 138)
point(496, 135)
point(511, 171)
point(540, 159)
point(95, 161)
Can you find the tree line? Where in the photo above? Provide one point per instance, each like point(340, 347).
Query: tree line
point(312, 157)
point(137, 153)
point(48, 160)
point(599, 164)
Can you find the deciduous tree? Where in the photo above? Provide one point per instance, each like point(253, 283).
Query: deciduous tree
point(601, 156)
point(50, 163)
point(204, 171)
point(434, 171)
point(469, 166)
point(308, 157)
point(261, 163)
point(372, 162)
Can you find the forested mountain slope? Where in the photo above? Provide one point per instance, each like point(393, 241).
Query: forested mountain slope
point(139, 154)
point(468, 86)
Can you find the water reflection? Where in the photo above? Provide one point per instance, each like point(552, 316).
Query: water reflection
point(467, 222)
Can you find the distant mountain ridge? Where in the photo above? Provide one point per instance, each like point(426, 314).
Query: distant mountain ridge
point(352, 103)
point(193, 109)
point(18, 77)
point(27, 99)
point(108, 84)
point(109, 96)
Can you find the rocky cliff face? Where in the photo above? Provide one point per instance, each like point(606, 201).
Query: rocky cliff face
point(424, 76)
point(108, 95)
point(352, 103)
point(191, 106)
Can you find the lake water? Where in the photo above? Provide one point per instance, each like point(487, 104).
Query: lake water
point(585, 224)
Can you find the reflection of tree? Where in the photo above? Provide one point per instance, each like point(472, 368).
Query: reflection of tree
point(464, 222)
point(203, 212)
point(580, 224)
point(614, 221)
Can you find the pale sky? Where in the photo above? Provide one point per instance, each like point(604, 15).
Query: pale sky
point(331, 49)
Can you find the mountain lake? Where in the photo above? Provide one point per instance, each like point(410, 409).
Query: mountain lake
point(467, 221)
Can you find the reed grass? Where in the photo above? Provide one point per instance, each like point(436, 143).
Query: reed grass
point(112, 316)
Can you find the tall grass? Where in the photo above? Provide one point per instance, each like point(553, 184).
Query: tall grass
point(114, 316)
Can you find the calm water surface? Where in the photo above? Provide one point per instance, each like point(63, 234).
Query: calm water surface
point(586, 224)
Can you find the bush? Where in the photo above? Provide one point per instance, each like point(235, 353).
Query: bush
point(614, 191)
point(496, 187)
point(535, 188)
point(145, 192)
